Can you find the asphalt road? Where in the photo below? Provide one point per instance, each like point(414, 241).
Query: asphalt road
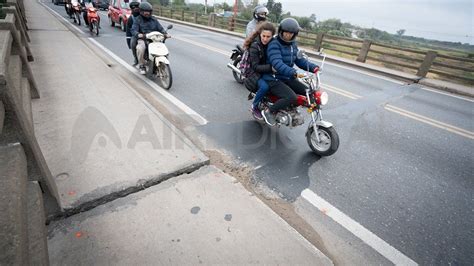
point(404, 168)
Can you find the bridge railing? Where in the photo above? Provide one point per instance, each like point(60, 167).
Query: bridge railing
point(25, 179)
point(437, 64)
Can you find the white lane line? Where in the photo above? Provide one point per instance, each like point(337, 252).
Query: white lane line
point(357, 229)
point(59, 15)
point(186, 109)
point(429, 121)
point(449, 94)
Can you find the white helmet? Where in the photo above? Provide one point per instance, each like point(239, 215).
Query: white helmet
point(260, 13)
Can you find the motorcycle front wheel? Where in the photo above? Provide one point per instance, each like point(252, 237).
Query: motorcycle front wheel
point(95, 28)
point(78, 18)
point(237, 77)
point(165, 76)
point(329, 140)
point(161, 73)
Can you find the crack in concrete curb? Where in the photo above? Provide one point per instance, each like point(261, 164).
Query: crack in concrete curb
point(86, 206)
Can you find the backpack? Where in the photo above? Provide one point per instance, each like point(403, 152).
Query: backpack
point(245, 69)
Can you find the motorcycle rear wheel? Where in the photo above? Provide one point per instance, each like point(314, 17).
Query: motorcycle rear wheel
point(237, 77)
point(329, 141)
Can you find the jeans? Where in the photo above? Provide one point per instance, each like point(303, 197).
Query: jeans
point(262, 91)
point(286, 92)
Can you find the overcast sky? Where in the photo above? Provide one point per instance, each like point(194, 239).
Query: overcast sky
point(446, 20)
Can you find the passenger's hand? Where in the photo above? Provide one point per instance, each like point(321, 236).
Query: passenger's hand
point(167, 36)
point(140, 35)
point(316, 69)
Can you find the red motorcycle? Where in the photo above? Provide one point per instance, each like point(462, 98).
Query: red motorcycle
point(93, 19)
point(321, 136)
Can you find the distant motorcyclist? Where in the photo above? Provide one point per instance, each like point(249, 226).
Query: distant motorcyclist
point(144, 24)
point(260, 14)
point(86, 4)
point(132, 40)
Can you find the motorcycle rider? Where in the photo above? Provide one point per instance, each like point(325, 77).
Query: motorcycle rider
point(257, 45)
point(260, 14)
point(144, 24)
point(86, 4)
point(132, 40)
point(282, 55)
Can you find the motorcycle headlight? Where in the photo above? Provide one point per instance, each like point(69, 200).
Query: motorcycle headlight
point(322, 97)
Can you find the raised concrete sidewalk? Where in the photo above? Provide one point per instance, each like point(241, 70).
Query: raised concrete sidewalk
point(102, 141)
point(202, 218)
point(99, 138)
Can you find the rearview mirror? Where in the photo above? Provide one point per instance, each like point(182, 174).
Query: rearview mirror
point(170, 26)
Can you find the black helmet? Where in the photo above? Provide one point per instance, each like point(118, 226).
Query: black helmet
point(134, 4)
point(260, 13)
point(289, 25)
point(145, 7)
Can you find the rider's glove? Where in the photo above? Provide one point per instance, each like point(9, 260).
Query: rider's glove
point(316, 69)
point(140, 35)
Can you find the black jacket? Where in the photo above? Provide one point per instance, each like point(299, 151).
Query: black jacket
point(145, 26)
point(258, 64)
point(130, 21)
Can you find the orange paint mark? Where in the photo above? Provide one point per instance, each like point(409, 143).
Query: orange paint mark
point(71, 193)
point(78, 234)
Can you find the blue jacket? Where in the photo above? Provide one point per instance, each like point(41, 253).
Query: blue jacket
point(141, 25)
point(282, 56)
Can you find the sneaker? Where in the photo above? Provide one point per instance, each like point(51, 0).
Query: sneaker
point(142, 70)
point(269, 117)
point(257, 114)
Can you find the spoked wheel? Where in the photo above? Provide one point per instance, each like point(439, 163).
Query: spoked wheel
point(237, 76)
point(78, 18)
point(165, 78)
point(329, 140)
point(161, 73)
point(95, 28)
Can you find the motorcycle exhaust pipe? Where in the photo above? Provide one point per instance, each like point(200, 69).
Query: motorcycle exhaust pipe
point(235, 69)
